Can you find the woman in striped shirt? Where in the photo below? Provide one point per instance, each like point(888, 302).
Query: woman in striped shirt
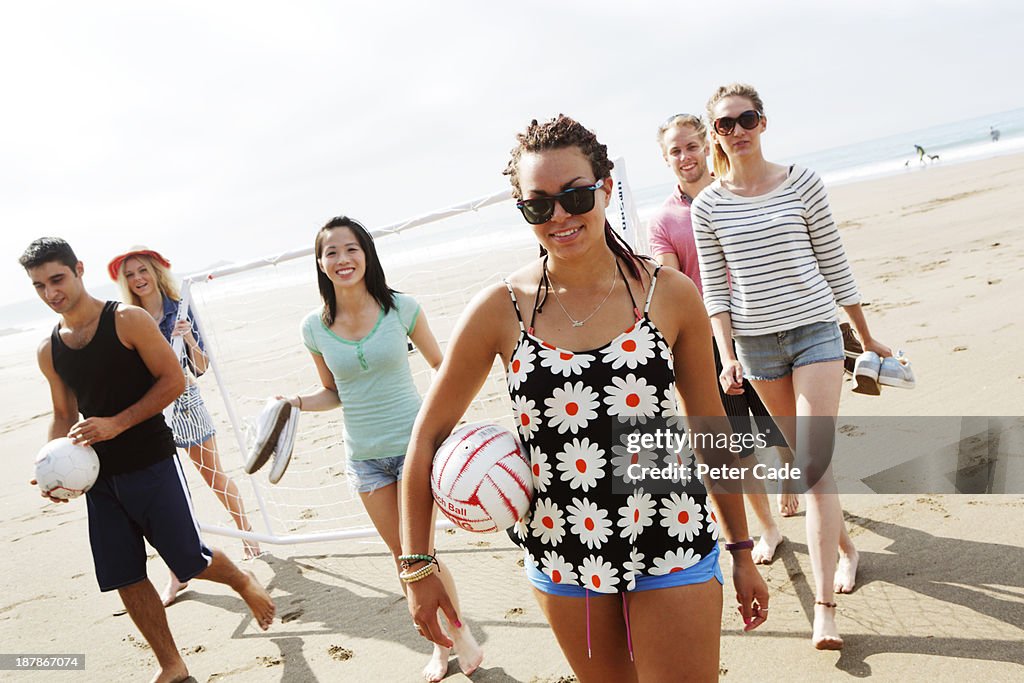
point(773, 269)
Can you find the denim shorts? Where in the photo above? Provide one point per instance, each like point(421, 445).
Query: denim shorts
point(369, 475)
point(775, 355)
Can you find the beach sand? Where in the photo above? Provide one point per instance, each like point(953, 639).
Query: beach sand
point(940, 595)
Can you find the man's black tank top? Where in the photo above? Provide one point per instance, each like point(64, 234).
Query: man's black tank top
point(106, 377)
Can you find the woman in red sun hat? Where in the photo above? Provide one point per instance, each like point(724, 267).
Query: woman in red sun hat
point(145, 280)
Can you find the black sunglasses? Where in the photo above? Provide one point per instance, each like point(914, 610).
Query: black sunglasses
point(748, 120)
point(575, 200)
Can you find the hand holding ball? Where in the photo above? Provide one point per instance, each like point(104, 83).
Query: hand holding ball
point(481, 478)
point(65, 470)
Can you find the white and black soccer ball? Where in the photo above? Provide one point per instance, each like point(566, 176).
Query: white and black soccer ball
point(66, 470)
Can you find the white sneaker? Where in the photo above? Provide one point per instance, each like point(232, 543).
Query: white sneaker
point(865, 371)
point(269, 424)
point(283, 449)
point(897, 372)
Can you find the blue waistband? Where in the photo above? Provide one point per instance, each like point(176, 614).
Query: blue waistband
point(701, 572)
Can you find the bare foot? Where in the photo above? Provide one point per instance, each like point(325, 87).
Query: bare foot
point(826, 635)
point(172, 589)
point(437, 668)
point(259, 601)
point(789, 504)
point(251, 550)
point(764, 550)
point(173, 674)
point(846, 572)
point(469, 652)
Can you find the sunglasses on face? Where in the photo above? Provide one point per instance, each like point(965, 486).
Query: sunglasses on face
point(748, 120)
point(575, 200)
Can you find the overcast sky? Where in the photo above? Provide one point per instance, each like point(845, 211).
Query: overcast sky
point(228, 131)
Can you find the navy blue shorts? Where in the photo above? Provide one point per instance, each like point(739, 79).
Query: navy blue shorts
point(152, 504)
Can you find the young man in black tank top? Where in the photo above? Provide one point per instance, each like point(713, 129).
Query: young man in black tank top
point(110, 363)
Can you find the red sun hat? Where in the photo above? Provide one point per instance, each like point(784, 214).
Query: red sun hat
point(115, 263)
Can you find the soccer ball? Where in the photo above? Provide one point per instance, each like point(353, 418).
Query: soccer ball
point(65, 470)
point(481, 478)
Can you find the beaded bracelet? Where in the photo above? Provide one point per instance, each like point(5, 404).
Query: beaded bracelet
point(418, 575)
point(408, 561)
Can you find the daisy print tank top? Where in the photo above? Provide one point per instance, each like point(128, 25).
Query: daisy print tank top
point(589, 524)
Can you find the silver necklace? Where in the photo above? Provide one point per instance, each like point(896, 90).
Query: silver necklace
point(580, 323)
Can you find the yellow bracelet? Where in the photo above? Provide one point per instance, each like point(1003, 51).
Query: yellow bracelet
point(418, 575)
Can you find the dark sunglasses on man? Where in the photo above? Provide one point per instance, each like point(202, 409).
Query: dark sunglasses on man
point(575, 200)
point(748, 120)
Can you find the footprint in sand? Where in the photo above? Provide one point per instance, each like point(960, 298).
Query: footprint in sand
point(514, 613)
point(291, 616)
point(269, 661)
point(339, 653)
point(959, 348)
point(137, 643)
point(850, 430)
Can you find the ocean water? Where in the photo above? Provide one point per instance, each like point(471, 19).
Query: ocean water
point(498, 227)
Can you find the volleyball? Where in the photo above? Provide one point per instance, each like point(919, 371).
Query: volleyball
point(481, 478)
point(65, 470)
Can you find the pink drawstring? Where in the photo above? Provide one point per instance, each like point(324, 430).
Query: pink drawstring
point(625, 615)
point(588, 620)
point(629, 637)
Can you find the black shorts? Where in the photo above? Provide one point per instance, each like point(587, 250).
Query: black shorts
point(152, 504)
point(741, 407)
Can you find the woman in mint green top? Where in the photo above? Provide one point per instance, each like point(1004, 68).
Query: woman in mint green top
point(358, 342)
point(373, 372)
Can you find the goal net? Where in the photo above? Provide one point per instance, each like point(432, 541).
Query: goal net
point(249, 317)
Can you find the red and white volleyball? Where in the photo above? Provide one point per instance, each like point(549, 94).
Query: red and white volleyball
point(481, 478)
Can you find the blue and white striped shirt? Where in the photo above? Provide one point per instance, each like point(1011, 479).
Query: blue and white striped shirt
point(775, 261)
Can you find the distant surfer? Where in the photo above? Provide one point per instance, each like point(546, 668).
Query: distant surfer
point(921, 154)
point(993, 133)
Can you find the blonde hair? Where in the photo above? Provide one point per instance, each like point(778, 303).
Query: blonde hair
point(678, 121)
point(164, 280)
point(718, 157)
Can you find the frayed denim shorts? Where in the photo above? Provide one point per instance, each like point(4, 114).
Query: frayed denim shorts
point(775, 355)
point(365, 476)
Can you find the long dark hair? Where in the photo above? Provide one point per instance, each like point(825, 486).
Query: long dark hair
point(376, 283)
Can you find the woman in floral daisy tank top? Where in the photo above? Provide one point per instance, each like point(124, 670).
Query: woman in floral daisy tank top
point(590, 334)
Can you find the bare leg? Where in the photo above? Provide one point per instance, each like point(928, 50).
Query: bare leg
point(753, 493)
point(143, 605)
point(846, 569)
point(606, 656)
point(171, 590)
point(813, 391)
point(788, 501)
point(383, 506)
point(677, 632)
point(223, 570)
point(207, 461)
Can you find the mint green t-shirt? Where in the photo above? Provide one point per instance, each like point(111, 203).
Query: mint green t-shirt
point(379, 399)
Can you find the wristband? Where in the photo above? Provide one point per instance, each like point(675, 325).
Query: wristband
point(740, 545)
point(408, 561)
